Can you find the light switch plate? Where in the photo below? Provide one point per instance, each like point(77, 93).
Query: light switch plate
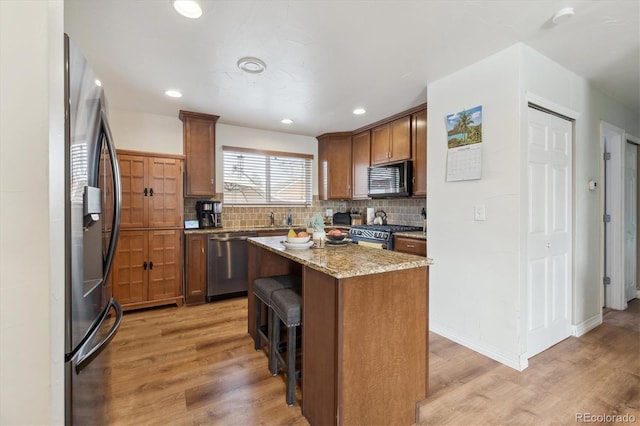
point(479, 212)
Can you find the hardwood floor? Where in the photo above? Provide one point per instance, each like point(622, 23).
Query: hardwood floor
point(193, 365)
point(196, 365)
point(598, 373)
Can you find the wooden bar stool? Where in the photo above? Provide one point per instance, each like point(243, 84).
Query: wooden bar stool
point(263, 289)
point(287, 309)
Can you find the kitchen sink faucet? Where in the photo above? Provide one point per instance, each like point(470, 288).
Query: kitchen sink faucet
point(272, 217)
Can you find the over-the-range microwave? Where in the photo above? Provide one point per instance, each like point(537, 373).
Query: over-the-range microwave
point(390, 180)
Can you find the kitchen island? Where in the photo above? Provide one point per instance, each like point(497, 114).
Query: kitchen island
point(364, 331)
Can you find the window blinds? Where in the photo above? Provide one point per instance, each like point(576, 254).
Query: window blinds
point(266, 177)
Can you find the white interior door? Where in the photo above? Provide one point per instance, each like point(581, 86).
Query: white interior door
point(549, 237)
point(630, 220)
point(613, 141)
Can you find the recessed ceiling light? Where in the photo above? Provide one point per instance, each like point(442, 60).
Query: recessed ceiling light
point(251, 65)
point(286, 121)
point(359, 111)
point(562, 15)
point(98, 83)
point(173, 93)
point(188, 8)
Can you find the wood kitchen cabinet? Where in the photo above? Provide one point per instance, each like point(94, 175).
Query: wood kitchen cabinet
point(199, 136)
point(151, 190)
point(391, 141)
point(409, 245)
point(334, 166)
point(419, 149)
point(147, 268)
point(196, 272)
point(361, 152)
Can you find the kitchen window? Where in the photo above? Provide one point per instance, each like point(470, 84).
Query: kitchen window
point(258, 177)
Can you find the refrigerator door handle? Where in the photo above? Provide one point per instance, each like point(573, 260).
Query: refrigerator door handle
point(86, 358)
point(117, 195)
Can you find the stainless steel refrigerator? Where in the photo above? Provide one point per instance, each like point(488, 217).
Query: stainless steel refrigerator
point(92, 222)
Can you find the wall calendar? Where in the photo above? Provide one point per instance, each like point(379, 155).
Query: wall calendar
point(464, 143)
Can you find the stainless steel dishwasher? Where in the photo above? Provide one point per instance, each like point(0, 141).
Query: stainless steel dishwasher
point(227, 264)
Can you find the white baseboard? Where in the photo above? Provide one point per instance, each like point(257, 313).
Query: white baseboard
point(586, 326)
point(517, 363)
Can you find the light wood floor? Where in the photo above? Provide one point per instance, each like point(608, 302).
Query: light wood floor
point(598, 373)
point(196, 365)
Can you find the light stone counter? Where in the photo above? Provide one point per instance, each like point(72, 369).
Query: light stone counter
point(411, 234)
point(344, 261)
point(283, 228)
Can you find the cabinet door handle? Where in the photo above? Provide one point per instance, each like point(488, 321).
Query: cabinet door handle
point(411, 246)
point(150, 192)
point(146, 192)
point(144, 265)
point(150, 265)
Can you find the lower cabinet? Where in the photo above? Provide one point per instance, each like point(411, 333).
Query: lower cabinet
point(196, 270)
point(147, 268)
point(411, 245)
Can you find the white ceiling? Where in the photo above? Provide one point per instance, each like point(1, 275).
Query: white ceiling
point(324, 58)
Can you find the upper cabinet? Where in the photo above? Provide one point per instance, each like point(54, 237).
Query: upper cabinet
point(334, 166)
point(419, 148)
point(199, 134)
point(361, 152)
point(151, 190)
point(391, 141)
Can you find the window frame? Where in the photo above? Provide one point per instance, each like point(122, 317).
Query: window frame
point(268, 154)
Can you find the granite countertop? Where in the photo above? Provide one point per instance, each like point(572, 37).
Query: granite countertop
point(283, 228)
point(344, 261)
point(411, 234)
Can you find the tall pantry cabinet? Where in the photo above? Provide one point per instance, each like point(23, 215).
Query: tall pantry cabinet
point(147, 267)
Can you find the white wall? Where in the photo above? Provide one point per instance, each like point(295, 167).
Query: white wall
point(31, 280)
point(262, 139)
point(163, 134)
point(545, 78)
point(474, 284)
point(139, 131)
point(477, 285)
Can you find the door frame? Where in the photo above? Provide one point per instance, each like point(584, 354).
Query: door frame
point(572, 116)
point(614, 139)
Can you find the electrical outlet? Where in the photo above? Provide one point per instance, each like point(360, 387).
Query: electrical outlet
point(328, 212)
point(479, 212)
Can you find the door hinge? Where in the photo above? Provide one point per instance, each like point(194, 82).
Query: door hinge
point(607, 156)
point(606, 280)
point(606, 218)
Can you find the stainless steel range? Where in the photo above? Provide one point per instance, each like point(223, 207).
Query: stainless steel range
point(378, 234)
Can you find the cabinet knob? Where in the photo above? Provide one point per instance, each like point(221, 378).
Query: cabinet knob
point(151, 192)
point(146, 192)
point(144, 265)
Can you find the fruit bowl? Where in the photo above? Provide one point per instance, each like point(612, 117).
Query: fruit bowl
point(298, 240)
point(336, 237)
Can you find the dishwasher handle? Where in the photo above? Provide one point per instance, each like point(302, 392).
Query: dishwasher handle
point(225, 239)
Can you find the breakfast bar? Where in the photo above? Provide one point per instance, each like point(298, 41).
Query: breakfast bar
point(364, 329)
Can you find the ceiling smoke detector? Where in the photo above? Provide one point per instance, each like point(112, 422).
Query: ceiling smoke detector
point(562, 15)
point(251, 65)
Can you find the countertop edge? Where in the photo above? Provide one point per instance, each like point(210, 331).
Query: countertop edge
point(409, 261)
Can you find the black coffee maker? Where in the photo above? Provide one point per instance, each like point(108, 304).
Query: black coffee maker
point(209, 214)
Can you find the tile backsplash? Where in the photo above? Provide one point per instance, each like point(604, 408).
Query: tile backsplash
point(400, 211)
